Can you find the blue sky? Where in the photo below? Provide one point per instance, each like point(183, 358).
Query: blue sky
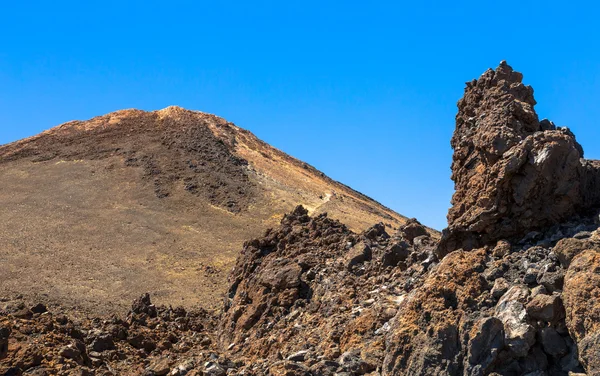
point(364, 91)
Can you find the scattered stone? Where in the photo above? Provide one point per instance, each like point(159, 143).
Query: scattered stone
point(100, 342)
point(159, 367)
point(500, 288)
point(357, 255)
point(39, 308)
point(298, 357)
point(548, 308)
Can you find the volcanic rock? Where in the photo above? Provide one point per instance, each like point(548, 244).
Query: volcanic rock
point(513, 174)
point(4, 334)
point(582, 304)
point(548, 308)
point(313, 297)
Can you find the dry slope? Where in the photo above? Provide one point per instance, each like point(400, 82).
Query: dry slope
point(94, 213)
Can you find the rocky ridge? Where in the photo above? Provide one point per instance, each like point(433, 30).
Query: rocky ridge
point(511, 289)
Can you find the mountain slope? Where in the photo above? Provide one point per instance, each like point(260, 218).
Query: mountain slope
point(94, 213)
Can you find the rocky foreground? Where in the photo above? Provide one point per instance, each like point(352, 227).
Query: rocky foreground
point(513, 287)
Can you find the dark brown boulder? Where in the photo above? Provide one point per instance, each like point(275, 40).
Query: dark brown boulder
point(4, 334)
point(513, 174)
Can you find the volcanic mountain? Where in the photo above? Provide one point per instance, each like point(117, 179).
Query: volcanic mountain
point(94, 213)
point(512, 288)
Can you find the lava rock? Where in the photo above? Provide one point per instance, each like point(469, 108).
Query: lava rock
point(512, 175)
point(553, 343)
point(4, 335)
point(500, 288)
point(553, 281)
point(566, 249)
point(519, 334)
point(396, 254)
point(358, 254)
point(548, 308)
point(159, 367)
point(484, 346)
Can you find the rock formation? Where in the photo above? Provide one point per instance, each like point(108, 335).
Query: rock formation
point(512, 289)
point(513, 173)
point(319, 297)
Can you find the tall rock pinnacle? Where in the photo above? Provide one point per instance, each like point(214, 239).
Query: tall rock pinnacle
point(512, 173)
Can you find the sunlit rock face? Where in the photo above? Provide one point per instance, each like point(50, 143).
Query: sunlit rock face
point(513, 173)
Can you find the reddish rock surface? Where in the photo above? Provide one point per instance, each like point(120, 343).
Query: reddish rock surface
point(513, 173)
point(582, 302)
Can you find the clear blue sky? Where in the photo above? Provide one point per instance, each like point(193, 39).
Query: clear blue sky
point(364, 91)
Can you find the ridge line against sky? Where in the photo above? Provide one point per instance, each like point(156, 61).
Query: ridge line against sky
point(364, 92)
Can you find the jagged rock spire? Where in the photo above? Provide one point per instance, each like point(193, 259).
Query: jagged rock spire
point(512, 173)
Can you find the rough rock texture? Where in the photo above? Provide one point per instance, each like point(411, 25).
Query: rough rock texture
point(513, 173)
point(149, 341)
point(582, 302)
point(317, 295)
point(429, 330)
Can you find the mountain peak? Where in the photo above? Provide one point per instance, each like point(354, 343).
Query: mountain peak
point(154, 190)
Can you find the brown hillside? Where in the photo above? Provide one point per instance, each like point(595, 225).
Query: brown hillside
point(94, 213)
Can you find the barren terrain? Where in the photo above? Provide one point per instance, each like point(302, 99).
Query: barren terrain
point(95, 213)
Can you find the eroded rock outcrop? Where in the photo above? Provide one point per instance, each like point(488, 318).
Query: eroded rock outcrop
point(582, 301)
point(313, 298)
point(513, 173)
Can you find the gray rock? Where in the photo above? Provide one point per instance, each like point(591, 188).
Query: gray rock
point(99, 341)
point(70, 352)
point(538, 290)
point(298, 356)
point(351, 361)
point(484, 346)
point(519, 335)
point(493, 274)
point(553, 281)
point(582, 235)
point(570, 362)
point(214, 369)
point(396, 254)
point(531, 276)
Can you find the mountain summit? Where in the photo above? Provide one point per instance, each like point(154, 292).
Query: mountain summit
point(97, 212)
